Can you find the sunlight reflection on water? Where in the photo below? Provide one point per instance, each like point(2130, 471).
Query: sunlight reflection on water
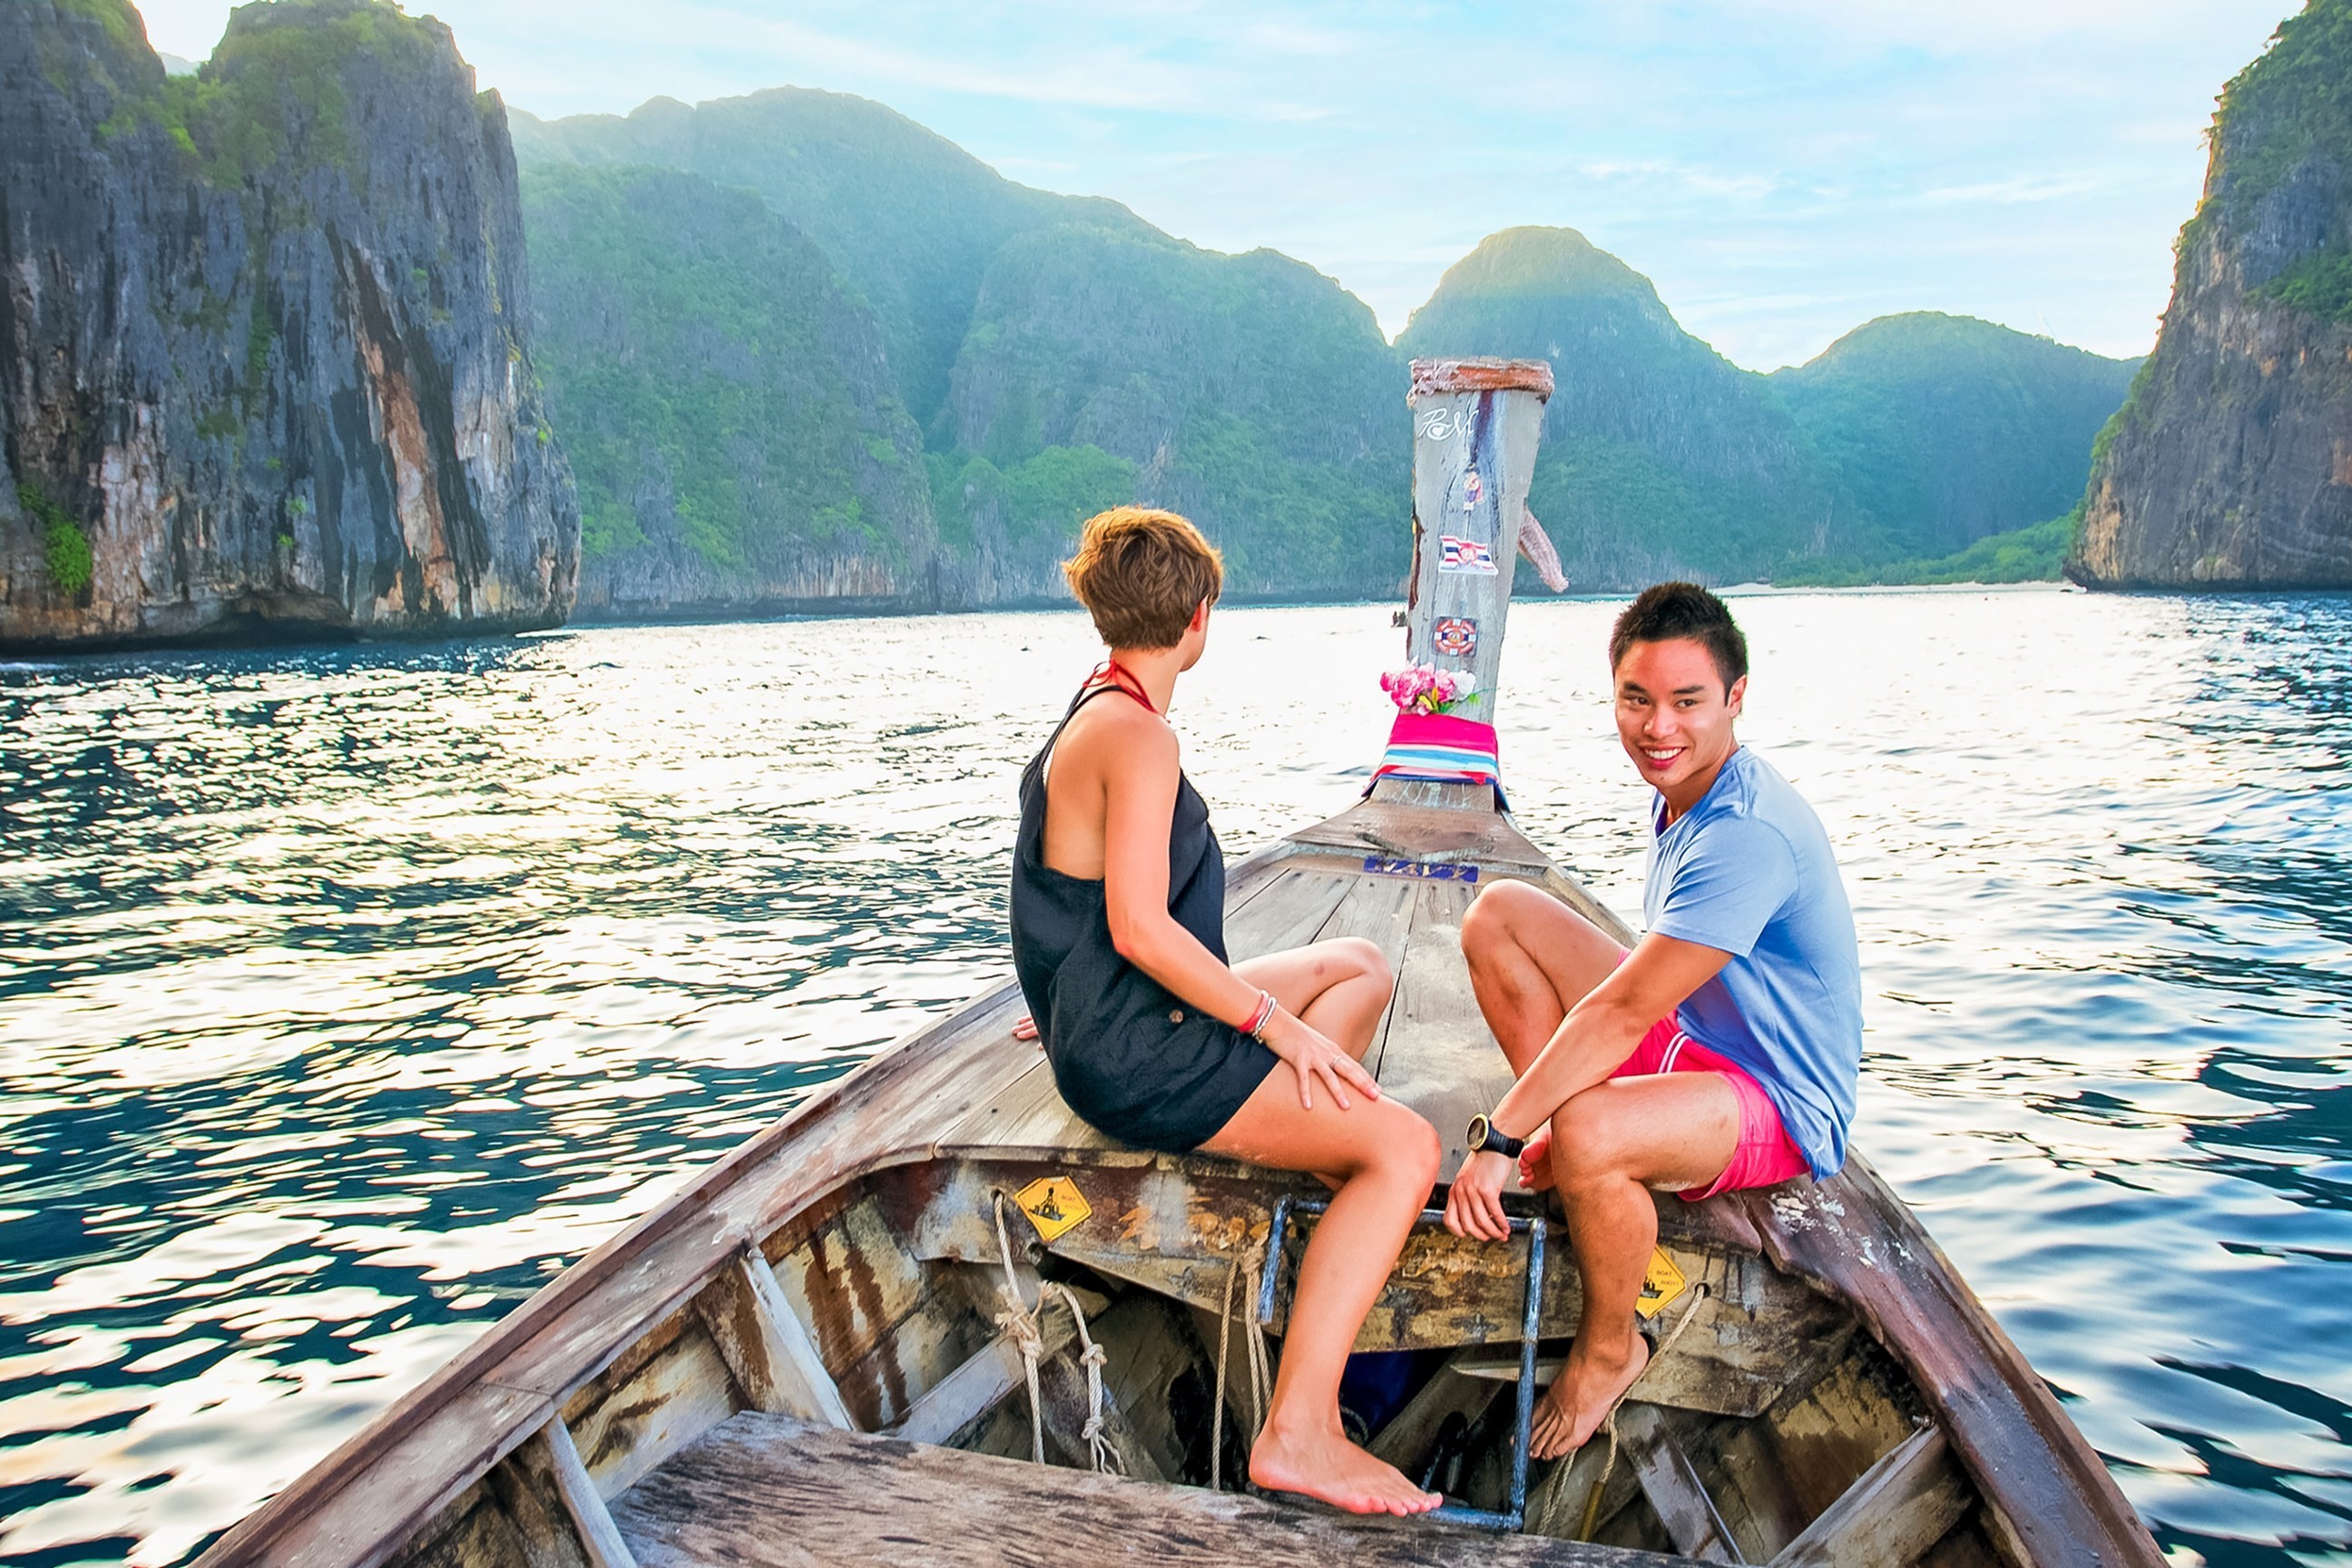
point(350, 993)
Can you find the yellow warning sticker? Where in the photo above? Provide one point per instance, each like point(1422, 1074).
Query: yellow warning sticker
point(1055, 1206)
point(1661, 1283)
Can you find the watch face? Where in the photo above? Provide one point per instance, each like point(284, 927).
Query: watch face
point(1479, 1128)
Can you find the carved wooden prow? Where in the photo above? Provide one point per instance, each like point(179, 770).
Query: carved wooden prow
point(1475, 426)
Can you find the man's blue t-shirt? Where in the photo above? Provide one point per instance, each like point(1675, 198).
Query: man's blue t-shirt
point(1748, 871)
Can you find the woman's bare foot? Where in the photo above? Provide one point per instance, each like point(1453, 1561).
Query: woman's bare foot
point(1327, 1467)
point(1581, 1397)
point(1535, 1163)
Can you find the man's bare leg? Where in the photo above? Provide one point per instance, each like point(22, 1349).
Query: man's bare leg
point(1531, 959)
point(1611, 1145)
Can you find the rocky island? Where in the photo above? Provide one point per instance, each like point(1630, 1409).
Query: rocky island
point(265, 368)
point(2231, 463)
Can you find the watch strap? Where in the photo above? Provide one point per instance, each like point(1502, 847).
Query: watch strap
point(1486, 1139)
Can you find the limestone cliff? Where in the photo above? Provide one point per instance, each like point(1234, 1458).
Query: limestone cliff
point(2231, 464)
point(263, 362)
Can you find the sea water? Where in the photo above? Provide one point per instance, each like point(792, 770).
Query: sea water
point(345, 995)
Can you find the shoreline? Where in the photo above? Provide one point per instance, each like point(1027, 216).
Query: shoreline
point(28, 654)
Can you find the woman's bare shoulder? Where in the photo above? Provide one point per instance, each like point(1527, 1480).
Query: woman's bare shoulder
point(1115, 733)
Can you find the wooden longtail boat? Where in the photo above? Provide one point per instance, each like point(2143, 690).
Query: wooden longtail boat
point(811, 1355)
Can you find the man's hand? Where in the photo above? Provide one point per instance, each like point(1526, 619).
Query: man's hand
point(1312, 1056)
point(1474, 1206)
point(1024, 1027)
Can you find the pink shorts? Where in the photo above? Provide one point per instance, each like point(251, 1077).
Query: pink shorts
point(1764, 1155)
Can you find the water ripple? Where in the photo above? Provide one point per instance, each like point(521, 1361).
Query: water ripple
point(349, 994)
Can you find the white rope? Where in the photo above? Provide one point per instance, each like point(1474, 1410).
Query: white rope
point(1609, 1465)
point(1025, 1326)
point(1260, 1373)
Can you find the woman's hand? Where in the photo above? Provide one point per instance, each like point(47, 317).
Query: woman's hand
point(1474, 1204)
point(1312, 1056)
point(1024, 1027)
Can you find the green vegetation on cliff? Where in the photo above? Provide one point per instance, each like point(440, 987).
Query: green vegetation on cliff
point(2034, 554)
point(2282, 136)
point(65, 548)
point(2292, 103)
point(1948, 430)
point(716, 388)
point(274, 86)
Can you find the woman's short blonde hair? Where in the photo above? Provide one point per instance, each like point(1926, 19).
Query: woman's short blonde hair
point(1141, 573)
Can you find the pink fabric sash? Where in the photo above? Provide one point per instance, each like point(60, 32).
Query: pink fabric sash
point(1441, 747)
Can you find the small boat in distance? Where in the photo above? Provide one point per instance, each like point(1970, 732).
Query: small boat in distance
point(932, 1319)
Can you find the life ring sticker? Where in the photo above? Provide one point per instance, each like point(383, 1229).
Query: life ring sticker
point(1053, 1205)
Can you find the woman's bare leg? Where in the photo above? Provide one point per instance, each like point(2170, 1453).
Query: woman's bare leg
point(1340, 987)
point(1383, 1158)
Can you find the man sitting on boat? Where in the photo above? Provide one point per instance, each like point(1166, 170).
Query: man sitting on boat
point(1722, 1052)
point(1119, 899)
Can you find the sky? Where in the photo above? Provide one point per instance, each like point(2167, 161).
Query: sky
point(1782, 170)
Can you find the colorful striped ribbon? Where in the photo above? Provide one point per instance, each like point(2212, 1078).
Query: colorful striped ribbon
point(1443, 749)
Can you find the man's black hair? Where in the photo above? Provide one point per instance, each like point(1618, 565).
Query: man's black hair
point(1667, 611)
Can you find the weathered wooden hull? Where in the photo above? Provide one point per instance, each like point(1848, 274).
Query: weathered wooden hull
point(720, 1382)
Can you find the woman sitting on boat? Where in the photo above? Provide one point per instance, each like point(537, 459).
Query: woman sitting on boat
point(1118, 899)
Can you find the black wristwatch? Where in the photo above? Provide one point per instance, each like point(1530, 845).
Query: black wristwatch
point(1485, 1140)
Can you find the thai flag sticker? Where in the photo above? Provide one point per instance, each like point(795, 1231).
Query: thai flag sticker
point(1464, 555)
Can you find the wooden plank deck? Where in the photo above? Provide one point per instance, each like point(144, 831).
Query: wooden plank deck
point(767, 1491)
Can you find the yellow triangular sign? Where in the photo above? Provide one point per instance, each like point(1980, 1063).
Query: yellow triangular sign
point(1661, 1283)
point(1053, 1204)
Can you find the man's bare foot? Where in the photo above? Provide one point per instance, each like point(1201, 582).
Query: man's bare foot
point(1581, 1397)
point(1327, 1467)
point(1535, 1163)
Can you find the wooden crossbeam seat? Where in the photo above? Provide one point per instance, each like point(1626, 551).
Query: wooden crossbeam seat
point(769, 1491)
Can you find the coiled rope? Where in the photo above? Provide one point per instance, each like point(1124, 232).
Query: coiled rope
point(1025, 1326)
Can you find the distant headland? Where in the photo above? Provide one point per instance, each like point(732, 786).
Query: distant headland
point(318, 342)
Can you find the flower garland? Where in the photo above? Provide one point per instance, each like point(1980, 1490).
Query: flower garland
point(1424, 688)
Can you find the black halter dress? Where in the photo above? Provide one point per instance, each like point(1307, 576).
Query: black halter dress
point(1136, 1062)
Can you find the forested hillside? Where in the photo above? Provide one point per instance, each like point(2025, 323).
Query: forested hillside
point(1249, 392)
point(727, 404)
point(1660, 457)
point(912, 218)
point(998, 362)
point(1948, 429)
point(1059, 354)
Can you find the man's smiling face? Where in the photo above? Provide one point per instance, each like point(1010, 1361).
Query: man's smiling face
point(1674, 717)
